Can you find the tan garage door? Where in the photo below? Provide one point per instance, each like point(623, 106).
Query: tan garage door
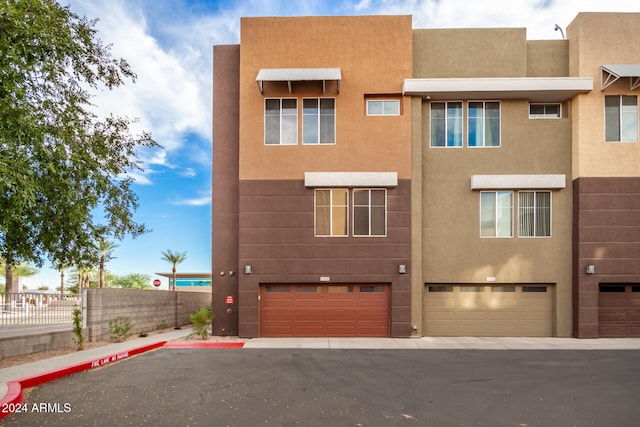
point(356, 310)
point(619, 312)
point(479, 310)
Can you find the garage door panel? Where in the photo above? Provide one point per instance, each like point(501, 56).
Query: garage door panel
point(340, 303)
point(488, 310)
point(612, 316)
point(324, 310)
point(619, 310)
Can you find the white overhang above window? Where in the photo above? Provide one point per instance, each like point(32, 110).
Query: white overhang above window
point(290, 75)
point(350, 179)
point(535, 89)
point(518, 182)
point(609, 74)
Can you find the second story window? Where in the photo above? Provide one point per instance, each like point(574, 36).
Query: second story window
point(331, 214)
point(281, 121)
point(369, 212)
point(496, 214)
point(483, 125)
point(621, 118)
point(319, 121)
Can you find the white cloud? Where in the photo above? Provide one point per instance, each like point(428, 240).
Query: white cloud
point(203, 199)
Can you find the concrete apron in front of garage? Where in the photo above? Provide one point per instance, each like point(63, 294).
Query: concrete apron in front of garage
point(477, 343)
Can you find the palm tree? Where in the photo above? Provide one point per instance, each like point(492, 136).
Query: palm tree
point(105, 247)
point(174, 258)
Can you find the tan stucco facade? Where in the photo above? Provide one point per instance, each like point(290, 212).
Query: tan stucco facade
point(374, 56)
point(265, 216)
point(448, 223)
point(597, 39)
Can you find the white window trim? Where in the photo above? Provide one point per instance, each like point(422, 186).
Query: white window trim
point(496, 219)
point(466, 123)
point(335, 119)
point(264, 119)
point(550, 214)
point(315, 209)
point(397, 101)
point(353, 216)
point(604, 136)
point(545, 116)
point(446, 123)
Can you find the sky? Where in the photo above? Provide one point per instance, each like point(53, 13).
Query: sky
point(168, 43)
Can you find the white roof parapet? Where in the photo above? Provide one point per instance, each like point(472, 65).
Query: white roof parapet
point(536, 89)
point(609, 74)
point(518, 182)
point(297, 75)
point(350, 179)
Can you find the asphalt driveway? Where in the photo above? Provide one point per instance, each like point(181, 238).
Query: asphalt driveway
point(276, 387)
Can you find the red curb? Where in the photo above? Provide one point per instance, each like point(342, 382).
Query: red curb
point(15, 396)
point(204, 345)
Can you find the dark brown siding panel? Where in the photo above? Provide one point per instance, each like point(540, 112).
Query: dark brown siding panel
point(606, 235)
point(224, 247)
point(277, 239)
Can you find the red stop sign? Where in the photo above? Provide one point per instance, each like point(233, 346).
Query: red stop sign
point(156, 283)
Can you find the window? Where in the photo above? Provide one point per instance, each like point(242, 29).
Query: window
point(621, 118)
point(496, 214)
point(281, 121)
point(545, 111)
point(369, 212)
point(331, 212)
point(383, 107)
point(446, 124)
point(534, 214)
point(318, 121)
point(483, 124)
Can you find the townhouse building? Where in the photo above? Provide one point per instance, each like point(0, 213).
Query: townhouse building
point(370, 179)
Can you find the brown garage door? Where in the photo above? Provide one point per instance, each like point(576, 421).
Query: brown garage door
point(479, 310)
point(619, 312)
point(324, 310)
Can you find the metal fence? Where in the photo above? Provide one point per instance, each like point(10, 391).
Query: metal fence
point(37, 308)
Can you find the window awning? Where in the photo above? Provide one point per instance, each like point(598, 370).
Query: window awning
point(351, 179)
point(518, 182)
point(535, 89)
point(298, 75)
point(609, 74)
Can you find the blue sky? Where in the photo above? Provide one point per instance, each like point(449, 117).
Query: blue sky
point(169, 45)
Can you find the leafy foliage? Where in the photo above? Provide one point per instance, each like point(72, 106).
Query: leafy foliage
point(77, 327)
point(174, 258)
point(200, 322)
point(60, 164)
point(120, 328)
point(133, 281)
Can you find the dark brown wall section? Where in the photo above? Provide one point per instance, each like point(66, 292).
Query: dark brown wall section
point(277, 240)
point(224, 248)
point(606, 235)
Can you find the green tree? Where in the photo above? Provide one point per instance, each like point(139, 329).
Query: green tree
point(20, 270)
point(133, 281)
point(61, 166)
point(174, 258)
point(106, 249)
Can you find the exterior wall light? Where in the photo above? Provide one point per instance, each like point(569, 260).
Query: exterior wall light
point(248, 269)
point(402, 269)
point(591, 269)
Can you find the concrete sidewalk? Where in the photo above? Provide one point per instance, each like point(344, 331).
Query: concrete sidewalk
point(47, 365)
point(449, 343)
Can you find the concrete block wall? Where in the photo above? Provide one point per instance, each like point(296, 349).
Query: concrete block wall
point(28, 343)
point(147, 310)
